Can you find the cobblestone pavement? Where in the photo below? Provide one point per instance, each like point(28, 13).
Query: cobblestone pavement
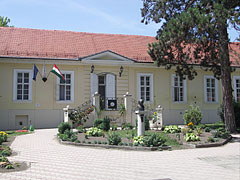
point(50, 160)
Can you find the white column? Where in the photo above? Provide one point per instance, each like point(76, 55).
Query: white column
point(159, 122)
point(128, 106)
point(96, 103)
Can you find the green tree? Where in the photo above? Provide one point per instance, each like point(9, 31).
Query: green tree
point(195, 32)
point(4, 21)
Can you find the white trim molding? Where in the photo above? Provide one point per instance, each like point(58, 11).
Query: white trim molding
point(213, 95)
point(150, 75)
point(236, 88)
point(15, 84)
point(184, 93)
point(71, 85)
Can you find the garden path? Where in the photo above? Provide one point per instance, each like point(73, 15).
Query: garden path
point(50, 160)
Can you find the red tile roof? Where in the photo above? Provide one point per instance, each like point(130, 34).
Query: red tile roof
point(36, 43)
point(21, 42)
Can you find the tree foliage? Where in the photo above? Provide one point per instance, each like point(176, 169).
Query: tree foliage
point(194, 32)
point(4, 22)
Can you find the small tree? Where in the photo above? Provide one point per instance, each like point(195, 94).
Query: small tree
point(193, 115)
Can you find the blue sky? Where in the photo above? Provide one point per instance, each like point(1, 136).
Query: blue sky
point(97, 16)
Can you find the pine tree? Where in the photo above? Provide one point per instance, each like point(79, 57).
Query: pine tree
point(194, 32)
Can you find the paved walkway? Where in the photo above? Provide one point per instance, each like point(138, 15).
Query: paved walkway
point(53, 161)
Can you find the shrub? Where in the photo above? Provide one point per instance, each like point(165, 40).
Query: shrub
point(220, 133)
point(236, 107)
point(3, 136)
point(172, 129)
point(199, 131)
point(62, 127)
point(98, 123)
point(106, 123)
point(193, 115)
point(5, 152)
point(138, 140)
point(191, 137)
point(114, 138)
point(31, 128)
point(68, 136)
point(94, 132)
point(154, 140)
point(211, 139)
point(207, 129)
point(127, 126)
point(80, 129)
point(24, 128)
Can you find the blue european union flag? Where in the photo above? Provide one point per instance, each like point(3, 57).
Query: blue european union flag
point(35, 71)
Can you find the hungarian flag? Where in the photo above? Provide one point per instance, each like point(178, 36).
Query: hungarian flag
point(56, 71)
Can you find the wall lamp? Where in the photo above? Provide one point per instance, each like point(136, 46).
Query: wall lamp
point(121, 70)
point(92, 68)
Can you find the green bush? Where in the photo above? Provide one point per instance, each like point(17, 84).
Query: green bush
point(68, 136)
point(1, 140)
point(220, 133)
point(62, 127)
point(80, 129)
point(191, 137)
point(5, 152)
point(106, 123)
point(24, 128)
point(153, 140)
point(193, 115)
point(138, 140)
point(31, 128)
point(98, 123)
point(127, 126)
point(207, 129)
point(211, 139)
point(114, 138)
point(172, 129)
point(94, 132)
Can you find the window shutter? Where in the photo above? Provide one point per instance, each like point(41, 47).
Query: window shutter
point(110, 86)
point(94, 84)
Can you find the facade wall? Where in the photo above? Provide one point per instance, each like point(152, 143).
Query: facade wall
point(45, 112)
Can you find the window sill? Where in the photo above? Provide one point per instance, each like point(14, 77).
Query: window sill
point(64, 102)
point(22, 101)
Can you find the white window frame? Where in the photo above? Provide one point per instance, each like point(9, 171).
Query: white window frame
point(184, 89)
point(139, 75)
point(235, 86)
point(58, 88)
point(205, 89)
point(15, 72)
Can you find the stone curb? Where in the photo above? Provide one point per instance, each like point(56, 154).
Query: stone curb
point(209, 144)
point(134, 148)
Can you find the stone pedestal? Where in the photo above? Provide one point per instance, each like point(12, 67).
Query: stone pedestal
point(141, 124)
point(65, 113)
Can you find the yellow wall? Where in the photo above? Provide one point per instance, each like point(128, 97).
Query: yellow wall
point(44, 94)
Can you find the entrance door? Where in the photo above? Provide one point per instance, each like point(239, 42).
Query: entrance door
point(105, 85)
